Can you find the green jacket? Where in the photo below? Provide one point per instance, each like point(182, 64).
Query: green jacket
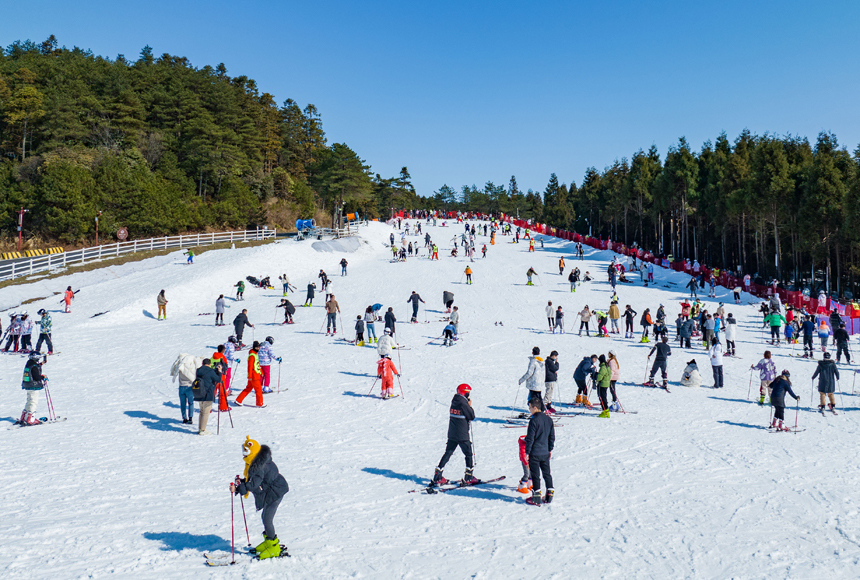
point(603, 376)
point(777, 319)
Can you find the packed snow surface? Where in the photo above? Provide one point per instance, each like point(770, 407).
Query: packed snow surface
point(692, 486)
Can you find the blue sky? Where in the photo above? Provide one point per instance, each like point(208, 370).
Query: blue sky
point(465, 92)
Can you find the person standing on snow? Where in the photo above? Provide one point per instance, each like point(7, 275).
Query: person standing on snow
point(766, 372)
point(369, 319)
point(561, 266)
point(415, 298)
point(731, 330)
point(660, 361)
point(323, 280)
point(263, 479)
point(559, 321)
point(535, 376)
point(716, 355)
point(219, 363)
point(267, 355)
point(629, 316)
point(586, 368)
point(386, 370)
point(584, 317)
point(646, 323)
point(460, 416)
point(185, 370)
point(230, 354)
point(573, 278)
point(162, 305)
point(44, 331)
point(550, 315)
point(219, 311)
point(614, 376)
point(239, 324)
point(343, 265)
point(468, 272)
point(827, 374)
point(33, 382)
point(386, 344)
point(448, 300)
point(531, 272)
point(208, 379)
point(240, 290)
point(390, 320)
point(332, 309)
point(454, 319)
point(550, 379)
point(359, 331)
point(309, 300)
point(841, 338)
point(26, 333)
point(255, 377)
point(67, 298)
point(779, 387)
point(776, 320)
point(602, 381)
point(693, 286)
point(289, 310)
point(540, 441)
point(614, 316)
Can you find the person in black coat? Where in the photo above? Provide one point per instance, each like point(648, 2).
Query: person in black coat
point(840, 335)
point(827, 374)
point(540, 440)
point(550, 379)
point(779, 387)
point(269, 487)
point(390, 320)
point(415, 298)
point(239, 324)
point(208, 378)
point(460, 415)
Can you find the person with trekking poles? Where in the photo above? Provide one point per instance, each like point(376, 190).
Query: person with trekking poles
point(33, 382)
point(460, 416)
point(778, 388)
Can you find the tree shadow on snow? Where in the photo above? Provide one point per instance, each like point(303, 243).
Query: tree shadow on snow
point(178, 541)
point(151, 421)
point(394, 475)
point(149, 314)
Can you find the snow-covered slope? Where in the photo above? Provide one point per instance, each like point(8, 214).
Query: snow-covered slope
point(690, 487)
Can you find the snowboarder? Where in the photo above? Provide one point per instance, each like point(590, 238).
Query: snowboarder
point(255, 376)
point(263, 479)
point(460, 415)
point(239, 324)
point(240, 290)
point(827, 374)
point(540, 440)
point(45, 331)
point(33, 382)
point(267, 355)
point(384, 369)
point(660, 362)
point(766, 374)
point(535, 376)
point(332, 309)
point(779, 387)
point(415, 298)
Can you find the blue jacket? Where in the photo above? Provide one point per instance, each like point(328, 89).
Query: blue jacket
point(780, 386)
point(585, 369)
point(808, 328)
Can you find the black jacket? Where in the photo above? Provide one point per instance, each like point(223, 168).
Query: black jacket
point(415, 299)
point(835, 320)
point(551, 367)
point(241, 321)
point(390, 320)
point(663, 351)
point(459, 416)
point(840, 335)
point(630, 315)
point(447, 297)
point(209, 377)
point(311, 288)
point(264, 480)
point(33, 379)
point(540, 438)
point(780, 385)
point(827, 374)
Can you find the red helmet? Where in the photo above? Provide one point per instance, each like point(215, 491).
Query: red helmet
point(464, 390)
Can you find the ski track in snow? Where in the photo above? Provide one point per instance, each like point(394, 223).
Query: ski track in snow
point(690, 487)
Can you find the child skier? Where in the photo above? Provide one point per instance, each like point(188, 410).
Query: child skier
point(460, 416)
point(559, 321)
point(255, 377)
point(604, 376)
point(540, 440)
point(267, 355)
point(779, 387)
point(67, 298)
point(359, 331)
point(531, 272)
point(766, 374)
point(33, 382)
point(448, 334)
point(386, 370)
point(240, 292)
point(468, 273)
point(263, 479)
point(525, 485)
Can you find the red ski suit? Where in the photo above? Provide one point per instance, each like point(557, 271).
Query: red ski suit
point(386, 370)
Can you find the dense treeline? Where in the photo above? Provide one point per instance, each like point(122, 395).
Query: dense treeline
point(160, 146)
point(779, 206)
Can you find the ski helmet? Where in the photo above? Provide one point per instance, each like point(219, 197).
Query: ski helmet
point(34, 355)
point(232, 339)
point(827, 355)
point(387, 330)
point(41, 312)
point(785, 373)
point(464, 390)
point(270, 340)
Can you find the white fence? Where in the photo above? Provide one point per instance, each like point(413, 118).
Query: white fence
point(28, 266)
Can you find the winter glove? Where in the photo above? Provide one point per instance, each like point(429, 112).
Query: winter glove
point(278, 359)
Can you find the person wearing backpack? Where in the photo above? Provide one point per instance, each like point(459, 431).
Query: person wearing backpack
point(204, 392)
point(185, 369)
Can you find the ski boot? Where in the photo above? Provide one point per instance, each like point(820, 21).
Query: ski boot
point(23, 419)
point(614, 406)
point(525, 486)
point(644, 339)
point(267, 390)
point(782, 427)
point(534, 499)
point(263, 545)
point(548, 497)
point(31, 420)
point(550, 410)
point(773, 423)
point(604, 414)
point(469, 479)
point(438, 479)
point(272, 551)
point(761, 400)
point(360, 343)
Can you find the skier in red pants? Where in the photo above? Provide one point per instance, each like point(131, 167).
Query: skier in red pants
point(386, 370)
point(255, 377)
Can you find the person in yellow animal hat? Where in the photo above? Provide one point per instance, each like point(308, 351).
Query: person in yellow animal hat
point(263, 479)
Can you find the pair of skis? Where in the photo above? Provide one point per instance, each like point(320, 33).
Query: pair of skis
point(43, 421)
point(434, 489)
point(213, 559)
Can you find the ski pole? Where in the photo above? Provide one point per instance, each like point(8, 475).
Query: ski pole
point(275, 319)
point(247, 535)
point(854, 382)
point(812, 393)
point(51, 413)
point(232, 526)
point(373, 385)
point(402, 396)
point(796, 413)
point(279, 377)
point(321, 326)
point(474, 451)
point(841, 394)
point(646, 368)
point(461, 278)
point(749, 390)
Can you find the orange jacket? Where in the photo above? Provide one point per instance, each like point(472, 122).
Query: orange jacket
point(384, 369)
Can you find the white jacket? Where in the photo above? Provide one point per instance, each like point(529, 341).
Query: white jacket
point(730, 331)
point(550, 313)
point(185, 369)
point(716, 355)
point(385, 345)
point(691, 377)
point(454, 317)
point(535, 374)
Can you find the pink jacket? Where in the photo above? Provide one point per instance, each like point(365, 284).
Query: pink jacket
point(614, 372)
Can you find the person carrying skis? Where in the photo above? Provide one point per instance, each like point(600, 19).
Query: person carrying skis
point(559, 321)
point(716, 355)
point(67, 298)
point(239, 324)
point(332, 309)
point(614, 316)
point(584, 317)
point(531, 272)
point(629, 316)
point(285, 283)
point(343, 265)
point(535, 376)
point(33, 382)
point(646, 323)
point(207, 378)
point(550, 315)
point(840, 336)
point(240, 290)
point(255, 377)
point(267, 355)
point(44, 331)
point(540, 440)
point(766, 374)
point(460, 416)
point(827, 374)
point(415, 298)
point(162, 305)
point(660, 362)
point(386, 370)
point(779, 387)
point(585, 369)
point(263, 479)
point(385, 344)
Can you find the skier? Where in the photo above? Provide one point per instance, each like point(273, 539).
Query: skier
point(808, 328)
point(384, 369)
point(731, 329)
point(369, 319)
point(385, 344)
point(840, 336)
point(614, 315)
point(779, 387)
point(601, 323)
point(646, 323)
point(255, 375)
point(239, 324)
point(435, 255)
point(629, 316)
point(535, 375)
point(454, 319)
point(550, 315)
point(716, 355)
point(776, 320)
point(584, 317)
point(44, 331)
point(33, 382)
point(390, 320)
point(14, 332)
point(26, 333)
point(267, 355)
point(468, 273)
point(285, 284)
point(190, 254)
point(332, 309)
point(827, 374)
point(460, 415)
point(240, 292)
point(693, 286)
point(448, 300)
point(448, 334)
point(531, 272)
point(602, 381)
point(207, 378)
point(573, 278)
point(263, 479)
point(484, 251)
point(415, 298)
point(691, 376)
point(550, 379)
point(585, 369)
point(289, 310)
point(359, 331)
point(650, 268)
point(767, 373)
point(67, 298)
point(660, 361)
point(561, 266)
point(309, 299)
point(823, 333)
point(559, 321)
point(531, 245)
point(343, 265)
point(540, 440)
point(219, 311)
point(323, 280)
point(219, 362)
